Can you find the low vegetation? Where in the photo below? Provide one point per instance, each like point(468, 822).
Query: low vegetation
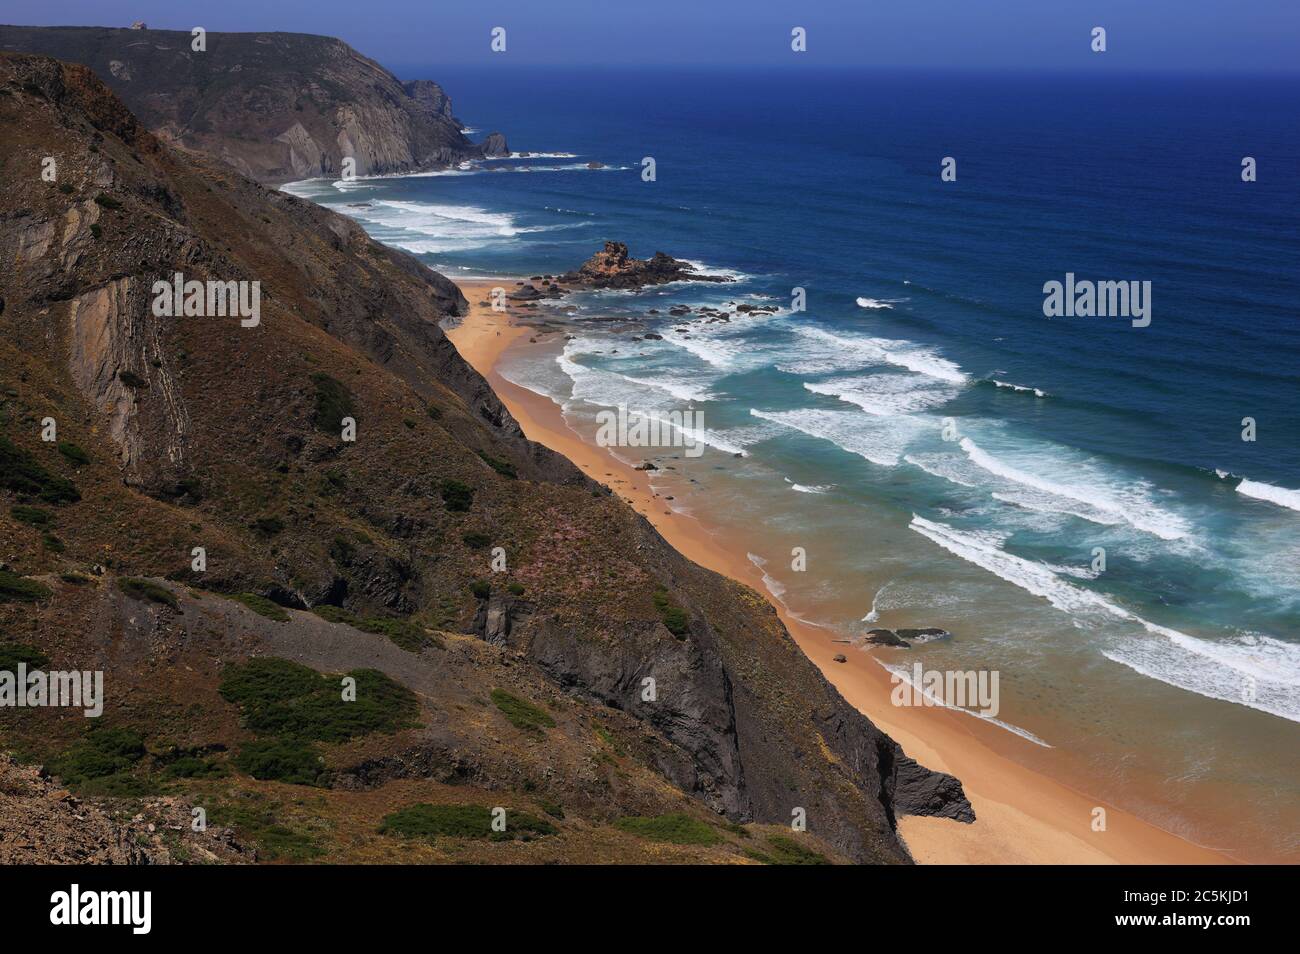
point(673, 616)
point(262, 606)
point(675, 828)
point(404, 633)
point(521, 713)
point(138, 589)
point(457, 495)
point(11, 654)
point(256, 820)
point(333, 403)
point(19, 589)
point(428, 822)
point(74, 453)
point(283, 760)
point(286, 699)
point(31, 515)
point(21, 473)
point(102, 763)
point(784, 850)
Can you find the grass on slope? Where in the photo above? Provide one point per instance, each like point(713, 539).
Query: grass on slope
point(521, 713)
point(461, 821)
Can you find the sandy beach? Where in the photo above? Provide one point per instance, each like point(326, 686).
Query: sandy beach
point(1024, 816)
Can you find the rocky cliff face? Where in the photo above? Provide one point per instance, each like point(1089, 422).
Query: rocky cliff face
point(276, 106)
point(375, 552)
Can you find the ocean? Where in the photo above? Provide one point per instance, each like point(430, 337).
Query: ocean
point(1071, 498)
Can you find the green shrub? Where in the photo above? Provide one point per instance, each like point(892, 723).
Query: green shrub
point(132, 380)
point(435, 412)
point(262, 606)
point(283, 760)
point(96, 230)
point(502, 467)
point(674, 616)
point(457, 495)
point(482, 589)
point(33, 515)
point(284, 698)
point(403, 632)
point(190, 486)
point(104, 754)
point(521, 713)
point(11, 654)
point(333, 403)
point(139, 589)
point(275, 841)
point(77, 579)
point(268, 526)
point(74, 453)
point(461, 821)
point(20, 473)
point(551, 808)
point(19, 589)
point(674, 828)
point(784, 850)
point(105, 201)
point(476, 540)
point(53, 543)
point(65, 188)
point(191, 766)
point(516, 589)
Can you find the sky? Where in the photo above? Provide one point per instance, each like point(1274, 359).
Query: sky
point(1203, 36)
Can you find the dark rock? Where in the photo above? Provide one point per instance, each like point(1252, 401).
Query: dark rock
point(886, 637)
point(612, 267)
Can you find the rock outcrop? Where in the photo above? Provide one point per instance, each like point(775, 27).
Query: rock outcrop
point(276, 106)
point(613, 267)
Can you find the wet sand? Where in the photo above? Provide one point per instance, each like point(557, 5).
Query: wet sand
point(1023, 816)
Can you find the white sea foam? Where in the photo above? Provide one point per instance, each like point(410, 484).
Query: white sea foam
point(1218, 670)
point(1037, 392)
point(886, 394)
point(874, 303)
point(944, 466)
point(1281, 496)
point(878, 440)
point(1134, 508)
point(876, 351)
point(874, 615)
point(535, 155)
point(903, 673)
point(773, 585)
point(1253, 670)
point(706, 269)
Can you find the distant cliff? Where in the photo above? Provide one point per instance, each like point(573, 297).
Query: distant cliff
point(276, 106)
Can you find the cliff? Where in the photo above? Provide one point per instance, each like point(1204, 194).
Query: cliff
point(520, 685)
point(276, 106)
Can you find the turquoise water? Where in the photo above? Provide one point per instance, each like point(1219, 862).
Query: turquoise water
point(945, 453)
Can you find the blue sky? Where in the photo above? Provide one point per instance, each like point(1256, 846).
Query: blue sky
point(1196, 35)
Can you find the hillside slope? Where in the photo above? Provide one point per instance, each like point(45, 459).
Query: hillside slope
point(372, 557)
point(276, 106)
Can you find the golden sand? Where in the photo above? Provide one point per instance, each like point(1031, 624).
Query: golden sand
point(1023, 816)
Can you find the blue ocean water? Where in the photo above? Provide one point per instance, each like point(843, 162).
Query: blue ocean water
point(925, 309)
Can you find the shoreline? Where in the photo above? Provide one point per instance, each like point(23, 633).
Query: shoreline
point(1023, 816)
